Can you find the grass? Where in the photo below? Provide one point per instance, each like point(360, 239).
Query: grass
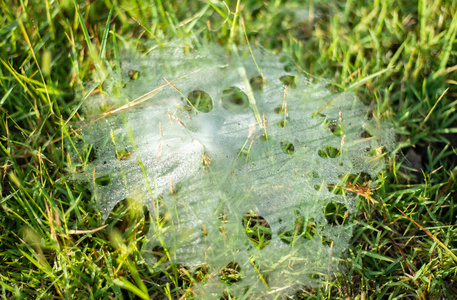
point(399, 56)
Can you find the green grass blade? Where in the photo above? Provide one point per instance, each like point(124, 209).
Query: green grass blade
point(125, 284)
point(366, 79)
point(105, 34)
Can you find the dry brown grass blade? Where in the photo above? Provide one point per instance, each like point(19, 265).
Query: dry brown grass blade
point(129, 105)
point(411, 271)
point(433, 237)
point(87, 231)
point(364, 191)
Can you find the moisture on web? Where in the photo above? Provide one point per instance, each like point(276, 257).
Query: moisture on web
point(241, 167)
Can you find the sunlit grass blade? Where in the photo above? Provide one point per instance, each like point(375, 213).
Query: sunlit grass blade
point(105, 34)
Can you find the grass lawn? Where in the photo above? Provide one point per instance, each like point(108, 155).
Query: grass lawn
point(399, 56)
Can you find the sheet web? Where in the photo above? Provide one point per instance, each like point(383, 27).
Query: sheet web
point(255, 208)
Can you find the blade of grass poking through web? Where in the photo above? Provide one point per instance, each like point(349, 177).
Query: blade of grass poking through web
point(146, 29)
point(105, 34)
point(184, 96)
point(235, 16)
point(126, 106)
point(365, 79)
point(93, 54)
point(116, 52)
point(141, 164)
point(262, 278)
point(244, 77)
point(250, 50)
